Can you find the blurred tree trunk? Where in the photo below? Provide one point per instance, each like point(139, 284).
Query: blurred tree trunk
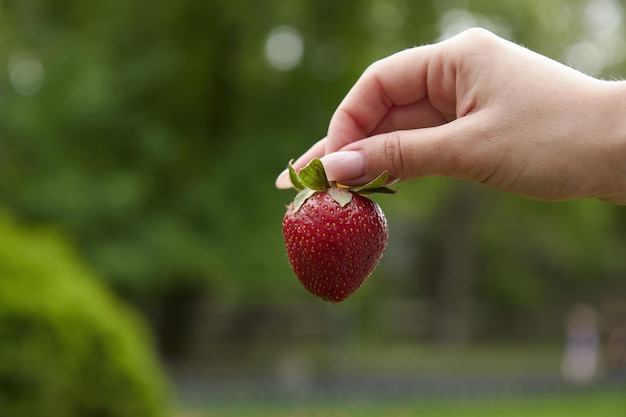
point(170, 315)
point(453, 268)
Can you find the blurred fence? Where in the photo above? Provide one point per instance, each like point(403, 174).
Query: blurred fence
point(380, 389)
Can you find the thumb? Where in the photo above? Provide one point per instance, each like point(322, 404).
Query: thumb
point(405, 154)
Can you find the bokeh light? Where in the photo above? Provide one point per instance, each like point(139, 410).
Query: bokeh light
point(26, 74)
point(284, 48)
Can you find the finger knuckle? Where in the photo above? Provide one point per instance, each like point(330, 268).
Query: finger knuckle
point(479, 38)
point(475, 34)
point(394, 156)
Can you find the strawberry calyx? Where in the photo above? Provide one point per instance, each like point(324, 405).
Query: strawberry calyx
point(312, 179)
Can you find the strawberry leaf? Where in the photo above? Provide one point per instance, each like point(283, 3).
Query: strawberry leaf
point(293, 176)
point(301, 198)
point(377, 185)
point(313, 176)
point(381, 190)
point(341, 195)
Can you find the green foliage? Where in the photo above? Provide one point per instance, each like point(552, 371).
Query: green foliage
point(67, 347)
point(150, 122)
point(131, 141)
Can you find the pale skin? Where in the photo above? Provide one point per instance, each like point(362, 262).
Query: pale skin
point(480, 108)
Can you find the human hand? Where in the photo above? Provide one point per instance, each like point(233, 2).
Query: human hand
point(480, 108)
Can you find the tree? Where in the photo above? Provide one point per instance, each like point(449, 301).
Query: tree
point(154, 136)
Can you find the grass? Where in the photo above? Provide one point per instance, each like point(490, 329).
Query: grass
point(596, 404)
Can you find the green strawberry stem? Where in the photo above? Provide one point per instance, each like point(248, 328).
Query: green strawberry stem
point(312, 179)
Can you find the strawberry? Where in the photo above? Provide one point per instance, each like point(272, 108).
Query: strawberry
point(334, 235)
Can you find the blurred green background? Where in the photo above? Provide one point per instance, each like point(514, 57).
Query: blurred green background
point(148, 135)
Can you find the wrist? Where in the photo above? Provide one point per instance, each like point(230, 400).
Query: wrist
point(613, 99)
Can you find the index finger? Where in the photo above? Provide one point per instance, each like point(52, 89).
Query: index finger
point(398, 80)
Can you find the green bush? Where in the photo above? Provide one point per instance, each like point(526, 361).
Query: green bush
point(68, 347)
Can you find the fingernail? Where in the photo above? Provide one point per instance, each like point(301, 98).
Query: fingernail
point(282, 181)
point(344, 165)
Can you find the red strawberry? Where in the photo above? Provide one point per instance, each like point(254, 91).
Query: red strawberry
point(334, 236)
